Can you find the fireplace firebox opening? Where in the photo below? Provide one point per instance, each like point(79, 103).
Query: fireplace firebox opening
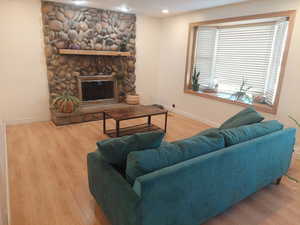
point(97, 89)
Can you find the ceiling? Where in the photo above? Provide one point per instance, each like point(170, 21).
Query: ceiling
point(154, 7)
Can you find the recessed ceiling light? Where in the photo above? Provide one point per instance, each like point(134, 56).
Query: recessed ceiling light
point(79, 2)
point(165, 11)
point(123, 8)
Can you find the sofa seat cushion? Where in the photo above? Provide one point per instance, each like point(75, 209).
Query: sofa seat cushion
point(115, 150)
point(244, 117)
point(142, 162)
point(244, 133)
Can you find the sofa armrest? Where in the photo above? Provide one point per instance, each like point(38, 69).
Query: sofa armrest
point(116, 197)
point(192, 191)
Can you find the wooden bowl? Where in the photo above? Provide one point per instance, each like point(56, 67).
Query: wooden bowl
point(133, 99)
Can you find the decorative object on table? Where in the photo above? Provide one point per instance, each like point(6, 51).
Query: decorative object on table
point(159, 106)
point(133, 99)
point(195, 79)
point(242, 94)
point(65, 102)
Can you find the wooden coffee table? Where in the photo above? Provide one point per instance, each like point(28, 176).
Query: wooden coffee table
point(133, 112)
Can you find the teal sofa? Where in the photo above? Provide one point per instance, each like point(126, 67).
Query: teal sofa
point(194, 190)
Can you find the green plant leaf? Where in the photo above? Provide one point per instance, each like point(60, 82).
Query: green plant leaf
point(63, 99)
point(297, 123)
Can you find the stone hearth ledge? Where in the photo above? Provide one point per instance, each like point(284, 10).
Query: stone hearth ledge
point(85, 113)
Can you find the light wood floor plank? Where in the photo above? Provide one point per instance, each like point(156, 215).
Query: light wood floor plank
point(48, 177)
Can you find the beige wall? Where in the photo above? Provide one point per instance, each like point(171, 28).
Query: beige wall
point(147, 45)
point(23, 80)
point(173, 57)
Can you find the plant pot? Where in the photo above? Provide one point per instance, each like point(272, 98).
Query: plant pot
point(64, 103)
point(210, 90)
point(133, 99)
point(195, 87)
point(64, 106)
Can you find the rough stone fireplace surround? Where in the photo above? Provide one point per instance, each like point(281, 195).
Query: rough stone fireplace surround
point(81, 28)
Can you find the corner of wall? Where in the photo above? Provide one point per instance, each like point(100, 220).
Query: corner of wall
point(4, 203)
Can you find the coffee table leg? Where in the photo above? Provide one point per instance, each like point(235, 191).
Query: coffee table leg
point(149, 121)
point(117, 128)
point(166, 122)
point(104, 123)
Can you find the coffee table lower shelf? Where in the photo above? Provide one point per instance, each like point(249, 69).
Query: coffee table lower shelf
point(133, 129)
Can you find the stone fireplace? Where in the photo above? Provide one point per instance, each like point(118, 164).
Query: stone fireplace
point(89, 77)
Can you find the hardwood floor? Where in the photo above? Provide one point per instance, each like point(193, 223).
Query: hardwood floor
point(48, 178)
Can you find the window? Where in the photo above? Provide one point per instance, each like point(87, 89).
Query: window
point(240, 60)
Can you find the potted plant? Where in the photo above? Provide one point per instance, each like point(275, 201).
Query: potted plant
point(64, 103)
point(195, 80)
point(298, 125)
point(242, 94)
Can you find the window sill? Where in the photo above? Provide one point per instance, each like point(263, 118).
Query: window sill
point(257, 106)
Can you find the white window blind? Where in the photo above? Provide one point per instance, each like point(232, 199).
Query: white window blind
point(204, 52)
point(244, 53)
point(252, 53)
point(275, 65)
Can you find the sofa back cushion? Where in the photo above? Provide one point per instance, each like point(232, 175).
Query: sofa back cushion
point(115, 150)
point(244, 133)
point(142, 162)
point(244, 117)
point(208, 132)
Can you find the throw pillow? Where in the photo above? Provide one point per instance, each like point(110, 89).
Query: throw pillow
point(115, 150)
point(244, 133)
point(245, 117)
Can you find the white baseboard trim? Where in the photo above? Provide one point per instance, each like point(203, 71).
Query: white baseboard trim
point(192, 116)
point(27, 120)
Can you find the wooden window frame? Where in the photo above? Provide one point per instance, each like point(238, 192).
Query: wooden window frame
point(290, 15)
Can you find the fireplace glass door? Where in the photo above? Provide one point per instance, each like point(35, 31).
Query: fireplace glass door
point(97, 90)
